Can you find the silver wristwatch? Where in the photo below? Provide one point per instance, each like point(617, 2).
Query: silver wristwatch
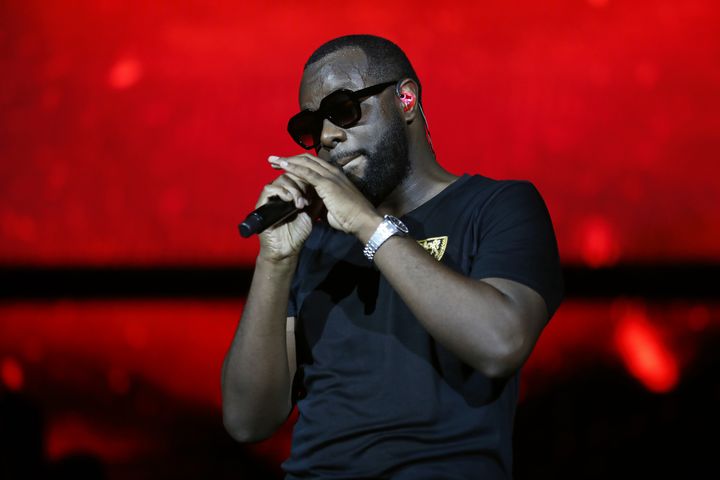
point(390, 226)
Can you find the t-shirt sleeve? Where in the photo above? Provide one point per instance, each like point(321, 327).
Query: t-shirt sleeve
point(517, 242)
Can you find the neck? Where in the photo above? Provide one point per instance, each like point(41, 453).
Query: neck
point(426, 179)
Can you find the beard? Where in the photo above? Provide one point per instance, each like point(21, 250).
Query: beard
point(388, 164)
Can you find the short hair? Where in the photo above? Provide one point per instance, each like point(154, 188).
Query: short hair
point(386, 61)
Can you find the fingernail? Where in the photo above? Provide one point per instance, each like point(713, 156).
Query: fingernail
point(273, 158)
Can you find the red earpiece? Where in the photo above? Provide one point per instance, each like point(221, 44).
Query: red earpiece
point(408, 100)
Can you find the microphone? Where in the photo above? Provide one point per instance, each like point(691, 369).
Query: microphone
point(265, 216)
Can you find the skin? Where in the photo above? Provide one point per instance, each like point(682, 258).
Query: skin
point(491, 324)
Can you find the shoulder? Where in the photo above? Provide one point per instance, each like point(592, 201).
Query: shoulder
point(492, 187)
point(474, 184)
point(480, 194)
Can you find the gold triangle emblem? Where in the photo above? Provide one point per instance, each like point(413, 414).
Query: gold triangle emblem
point(435, 246)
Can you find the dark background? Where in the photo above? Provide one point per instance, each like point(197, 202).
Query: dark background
point(133, 139)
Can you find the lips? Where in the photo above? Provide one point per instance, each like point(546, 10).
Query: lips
point(345, 160)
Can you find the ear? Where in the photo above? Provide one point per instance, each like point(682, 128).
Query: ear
point(407, 95)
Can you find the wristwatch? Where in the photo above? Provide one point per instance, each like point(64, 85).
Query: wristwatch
point(390, 226)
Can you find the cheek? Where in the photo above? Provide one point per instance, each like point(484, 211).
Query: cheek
point(375, 121)
point(368, 137)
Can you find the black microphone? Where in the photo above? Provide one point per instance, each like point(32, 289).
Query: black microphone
point(265, 216)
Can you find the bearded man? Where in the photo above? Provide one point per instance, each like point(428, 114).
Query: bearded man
point(398, 323)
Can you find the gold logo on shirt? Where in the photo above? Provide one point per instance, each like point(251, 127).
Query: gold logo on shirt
point(435, 246)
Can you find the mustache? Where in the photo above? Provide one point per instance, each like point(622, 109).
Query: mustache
point(336, 157)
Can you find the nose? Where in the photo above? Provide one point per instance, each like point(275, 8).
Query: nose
point(331, 135)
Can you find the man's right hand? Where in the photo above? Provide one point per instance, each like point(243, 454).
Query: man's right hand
point(285, 240)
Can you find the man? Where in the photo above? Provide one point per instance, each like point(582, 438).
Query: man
point(399, 322)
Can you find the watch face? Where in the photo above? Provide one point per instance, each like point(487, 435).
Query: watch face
point(396, 221)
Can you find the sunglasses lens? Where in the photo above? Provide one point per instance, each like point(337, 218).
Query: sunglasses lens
point(342, 109)
point(305, 128)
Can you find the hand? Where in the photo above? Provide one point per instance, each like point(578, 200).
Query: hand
point(348, 210)
point(285, 240)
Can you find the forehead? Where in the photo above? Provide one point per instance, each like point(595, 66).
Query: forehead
point(346, 68)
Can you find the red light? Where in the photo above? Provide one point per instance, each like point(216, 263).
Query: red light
point(73, 434)
point(12, 374)
point(125, 342)
point(644, 353)
point(600, 245)
point(125, 73)
point(698, 318)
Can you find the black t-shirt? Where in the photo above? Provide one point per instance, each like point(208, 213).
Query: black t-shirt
point(377, 396)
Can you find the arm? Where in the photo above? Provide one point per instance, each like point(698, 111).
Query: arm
point(491, 324)
point(259, 367)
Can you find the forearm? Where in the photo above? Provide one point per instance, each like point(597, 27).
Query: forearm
point(256, 378)
point(490, 329)
point(470, 318)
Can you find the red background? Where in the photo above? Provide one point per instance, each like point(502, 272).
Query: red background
point(138, 132)
point(135, 134)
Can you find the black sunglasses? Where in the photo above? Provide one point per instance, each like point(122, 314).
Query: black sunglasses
point(341, 107)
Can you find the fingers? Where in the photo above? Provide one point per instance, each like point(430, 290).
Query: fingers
point(317, 165)
point(302, 173)
point(331, 190)
point(288, 189)
point(307, 168)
